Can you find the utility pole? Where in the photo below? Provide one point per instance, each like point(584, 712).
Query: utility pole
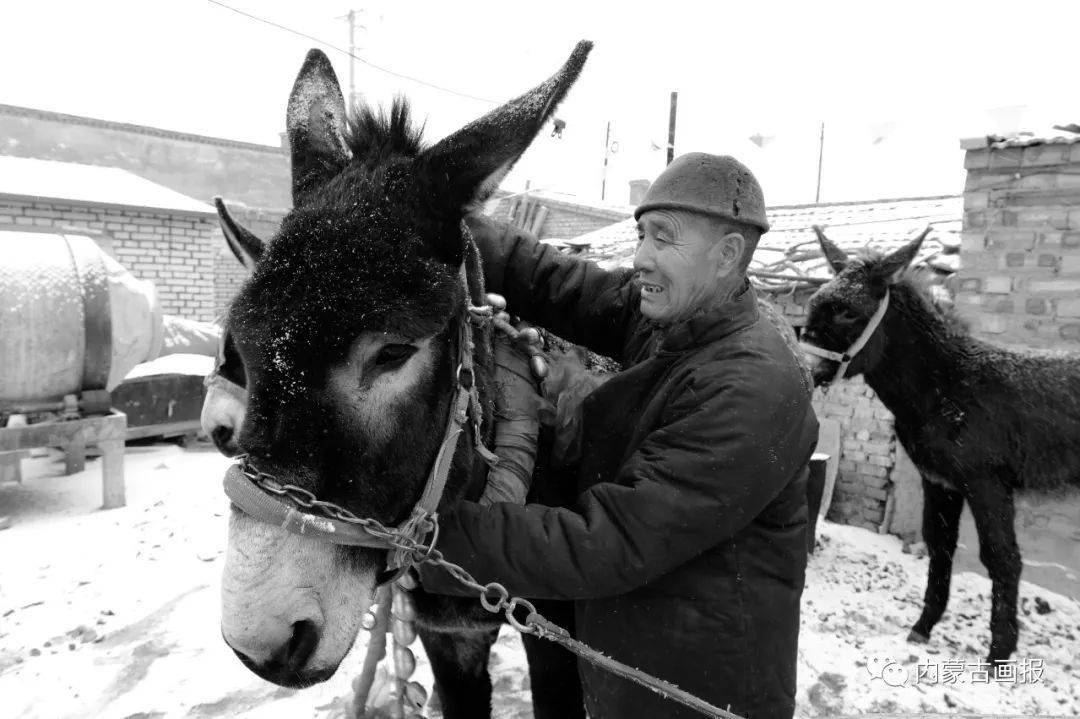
point(607, 151)
point(351, 19)
point(820, 159)
point(671, 128)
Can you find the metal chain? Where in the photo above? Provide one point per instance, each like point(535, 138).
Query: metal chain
point(494, 597)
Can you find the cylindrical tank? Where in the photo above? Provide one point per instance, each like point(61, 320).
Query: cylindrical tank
point(71, 318)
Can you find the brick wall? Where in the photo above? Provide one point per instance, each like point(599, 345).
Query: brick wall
point(229, 274)
point(172, 250)
point(1019, 283)
point(868, 443)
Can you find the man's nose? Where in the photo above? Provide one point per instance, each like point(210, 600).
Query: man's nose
point(643, 259)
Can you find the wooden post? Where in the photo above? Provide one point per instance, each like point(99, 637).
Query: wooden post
point(75, 454)
point(112, 473)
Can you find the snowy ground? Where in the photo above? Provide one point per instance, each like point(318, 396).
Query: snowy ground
point(114, 614)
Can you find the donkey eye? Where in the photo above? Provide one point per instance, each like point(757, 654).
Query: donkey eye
point(394, 355)
point(845, 316)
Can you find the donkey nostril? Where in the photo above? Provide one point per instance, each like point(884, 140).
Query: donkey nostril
point(305, 638)
point(223, 439)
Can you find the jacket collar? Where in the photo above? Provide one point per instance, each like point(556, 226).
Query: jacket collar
point(739, 312)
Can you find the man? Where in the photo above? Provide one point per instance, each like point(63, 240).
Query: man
point(685, 551)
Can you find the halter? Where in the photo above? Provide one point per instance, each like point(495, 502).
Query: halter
point(845, 358)
point(295, 509)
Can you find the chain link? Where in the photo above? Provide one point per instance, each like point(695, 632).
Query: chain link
point(409, 551)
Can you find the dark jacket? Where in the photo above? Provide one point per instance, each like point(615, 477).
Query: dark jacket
point(686, 548)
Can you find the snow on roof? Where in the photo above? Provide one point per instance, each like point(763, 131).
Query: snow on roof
point(882, 224)
point(1058, 135)
point(90, 185)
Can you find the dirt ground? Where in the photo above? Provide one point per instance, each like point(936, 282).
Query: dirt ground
point(115, 614)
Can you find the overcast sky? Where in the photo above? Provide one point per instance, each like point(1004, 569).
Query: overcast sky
point(897, 84)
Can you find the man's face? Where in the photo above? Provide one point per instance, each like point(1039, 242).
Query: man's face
point(682, 262)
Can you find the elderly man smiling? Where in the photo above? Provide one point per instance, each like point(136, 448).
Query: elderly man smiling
point(685, 551)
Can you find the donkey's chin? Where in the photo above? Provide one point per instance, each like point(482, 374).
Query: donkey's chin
point(291, 605)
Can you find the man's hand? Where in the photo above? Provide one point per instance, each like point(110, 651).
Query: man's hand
point(517, 424)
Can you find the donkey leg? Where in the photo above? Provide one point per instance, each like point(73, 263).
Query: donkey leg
point(460, 665)
point(941, 527)
point(995, 516)
point(553, 671)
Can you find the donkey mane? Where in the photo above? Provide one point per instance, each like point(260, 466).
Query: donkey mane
point(375, 136)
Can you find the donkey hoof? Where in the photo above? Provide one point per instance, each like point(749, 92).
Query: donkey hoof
point(917, 637)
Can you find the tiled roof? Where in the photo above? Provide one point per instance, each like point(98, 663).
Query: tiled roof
point(883, 224)
point(35, 179)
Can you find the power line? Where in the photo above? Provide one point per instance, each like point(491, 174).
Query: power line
point(370, 64)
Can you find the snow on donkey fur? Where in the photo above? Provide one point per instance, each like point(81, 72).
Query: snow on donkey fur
point(126, 623)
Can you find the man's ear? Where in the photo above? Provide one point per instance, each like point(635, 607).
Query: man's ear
point(728, 253)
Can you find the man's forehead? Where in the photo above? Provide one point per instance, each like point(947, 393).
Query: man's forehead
point(664, 219)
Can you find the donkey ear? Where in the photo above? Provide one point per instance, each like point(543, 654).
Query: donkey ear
point(837, 258)
point(475, 159)
point(893, 265)
point(247, 247)
point(315, 121)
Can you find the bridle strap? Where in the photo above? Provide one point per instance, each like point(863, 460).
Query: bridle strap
point(845, 358)
point(265, 507)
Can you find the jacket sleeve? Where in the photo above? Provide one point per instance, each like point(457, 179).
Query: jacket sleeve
point(571, 297)
point(724, 452)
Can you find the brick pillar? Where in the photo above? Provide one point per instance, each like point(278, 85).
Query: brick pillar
point(1019, 281)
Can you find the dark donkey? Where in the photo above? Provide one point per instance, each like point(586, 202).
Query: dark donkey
point(347, 335)
point(978, 421)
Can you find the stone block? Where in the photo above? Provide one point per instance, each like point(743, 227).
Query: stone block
point(977, 159)
point(976, 200)
point(1070, 239)
point(1043, 217)
point(1035, 306)
point(972, 242)
point(993, 324)
point(1010, 240)
point(1006, 158)
point(997, 284)
point(877, 493)
point(1070, 332)
point(1068, 307)
point(1070, 264)
point(871, 470)
point(1048, 260)
point(1042, 155)
point(1062, 286)
point(1004, 305)
point(1015, 259)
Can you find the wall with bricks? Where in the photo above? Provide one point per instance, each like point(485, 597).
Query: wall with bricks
point(1019, 283)
point(193, 165)
point(174, 251)
point(229, 274)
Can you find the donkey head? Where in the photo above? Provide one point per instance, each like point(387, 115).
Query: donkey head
point(346, 330)
point(841, 311)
